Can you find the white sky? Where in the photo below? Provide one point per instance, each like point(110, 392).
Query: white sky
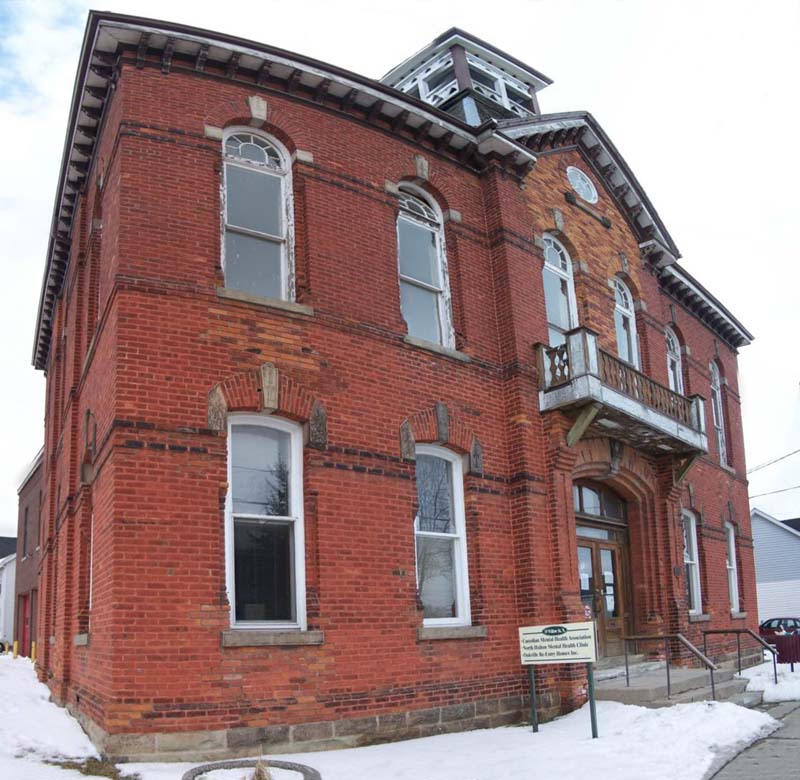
point(701, 98)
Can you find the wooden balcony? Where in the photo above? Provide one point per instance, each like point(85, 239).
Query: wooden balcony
point(611, 398)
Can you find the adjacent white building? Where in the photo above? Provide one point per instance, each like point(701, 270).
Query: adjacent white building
point(8, 572)
point(777, 556)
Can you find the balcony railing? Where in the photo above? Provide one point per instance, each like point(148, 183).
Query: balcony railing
point(579, 372)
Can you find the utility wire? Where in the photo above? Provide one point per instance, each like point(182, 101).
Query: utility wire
point(772, 492)
point(770, 462)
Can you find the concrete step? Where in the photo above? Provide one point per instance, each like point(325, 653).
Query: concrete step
point(617, 661)
point(724, 691)
point(651, 686)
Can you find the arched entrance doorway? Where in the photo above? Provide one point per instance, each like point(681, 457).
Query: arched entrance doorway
point(601, 524)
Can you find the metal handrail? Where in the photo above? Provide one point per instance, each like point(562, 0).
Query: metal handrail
point(667, 638)
point(739, 632)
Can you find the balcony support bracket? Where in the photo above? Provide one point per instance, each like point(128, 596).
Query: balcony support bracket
point(683, 469)
point(584, 420)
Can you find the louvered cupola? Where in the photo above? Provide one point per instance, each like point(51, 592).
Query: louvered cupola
point(470, 79)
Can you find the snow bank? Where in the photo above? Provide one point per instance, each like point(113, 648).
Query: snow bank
point(678, 743)
point(32, 728)
point(636, 743)
point(761, 679)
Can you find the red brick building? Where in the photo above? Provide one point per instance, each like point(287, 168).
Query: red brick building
point(28, 557)
point(349, 379)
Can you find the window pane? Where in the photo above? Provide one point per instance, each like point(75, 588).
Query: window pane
point(263, 565)
point(444, 76)
point(613, 506)
point(436, 576)
point(589, 532)
point(609, 564)
point(260, 471)
point(435, 495)
point(586, 578)
point(556, 297)
point(418, 256)
point(253, 265)
point(591, 501)
point(420, 310)
point(479, 77)
point(253, 200)
point(624, 339)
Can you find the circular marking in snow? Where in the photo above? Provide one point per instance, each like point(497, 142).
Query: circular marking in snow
point(197, 773)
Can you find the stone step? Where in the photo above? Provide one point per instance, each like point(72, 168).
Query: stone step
point(651, 686)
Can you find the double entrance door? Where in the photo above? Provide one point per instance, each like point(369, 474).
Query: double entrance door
point(603, 574)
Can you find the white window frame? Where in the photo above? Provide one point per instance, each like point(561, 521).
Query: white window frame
point(718, 413)
point(282, 172)
point(434, 224)
point(461, 565)
point(691, 560)
point(566, 275)
point(674, 361)
point(295, 432)
point(731, 566)
point(629, 313)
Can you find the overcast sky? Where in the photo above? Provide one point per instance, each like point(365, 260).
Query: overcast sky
point(700, 98)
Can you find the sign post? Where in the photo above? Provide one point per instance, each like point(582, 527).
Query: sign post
point(568, 643)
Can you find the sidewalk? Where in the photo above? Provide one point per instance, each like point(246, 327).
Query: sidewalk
point(775, 758)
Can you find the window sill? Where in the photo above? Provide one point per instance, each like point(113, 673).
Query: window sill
point(265, 637)
point(698, 618)
point(425, 633)
point(271, 303)
point(437, 348)
point(738, 615)
point(80, 640)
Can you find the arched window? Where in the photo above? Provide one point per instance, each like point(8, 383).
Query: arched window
point(257, 246)
point(264, 523)
point(559, 291)
point(625, 323)
point(424, 293)
point(691, 562)
point(674, 365)
point(440, 536)
point(717, 413)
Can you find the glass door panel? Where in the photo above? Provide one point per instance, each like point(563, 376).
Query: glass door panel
point(586, 577)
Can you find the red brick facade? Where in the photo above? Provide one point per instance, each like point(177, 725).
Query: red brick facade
point(148, 355)
point(28, 558)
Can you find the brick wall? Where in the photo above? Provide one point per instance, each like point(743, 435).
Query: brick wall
point(141, 337)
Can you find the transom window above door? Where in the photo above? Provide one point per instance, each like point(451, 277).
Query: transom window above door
point(595, 500)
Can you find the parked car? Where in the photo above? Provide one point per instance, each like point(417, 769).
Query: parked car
point(783, 625)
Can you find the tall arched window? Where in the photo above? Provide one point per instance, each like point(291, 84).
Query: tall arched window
point(424, 293)
point(559, 291)
point(717, 413)
point(257, 246)
point(625, 323)
point(730, 566)
point(674, 366)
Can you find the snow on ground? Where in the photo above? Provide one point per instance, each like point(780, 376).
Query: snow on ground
point(762, 679)
point(636, 743)
point(677, 743)
point(33, 729)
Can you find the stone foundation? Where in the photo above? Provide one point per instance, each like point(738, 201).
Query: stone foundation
point(308, 737)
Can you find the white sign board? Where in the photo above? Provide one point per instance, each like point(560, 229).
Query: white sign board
point(559, 643)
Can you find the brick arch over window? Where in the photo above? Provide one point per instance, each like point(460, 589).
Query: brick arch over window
point(651, 522)
point(266, 389)
point(439, 425)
